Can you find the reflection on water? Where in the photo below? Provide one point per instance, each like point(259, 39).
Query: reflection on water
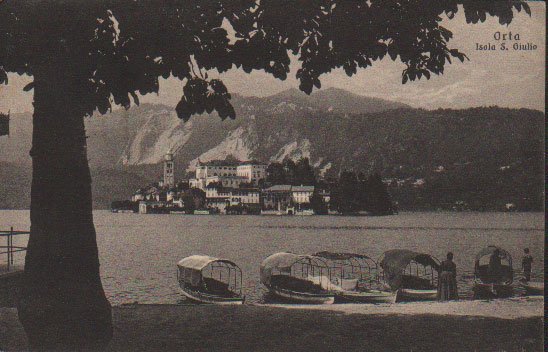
point(139, 252)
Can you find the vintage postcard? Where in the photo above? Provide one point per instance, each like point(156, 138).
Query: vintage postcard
point(272, 175)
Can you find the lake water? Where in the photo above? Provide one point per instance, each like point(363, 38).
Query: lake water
point(139, 253)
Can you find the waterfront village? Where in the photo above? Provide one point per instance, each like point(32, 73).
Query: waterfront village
point(231, 186)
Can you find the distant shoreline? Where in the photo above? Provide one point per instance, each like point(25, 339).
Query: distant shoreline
point(360, 215)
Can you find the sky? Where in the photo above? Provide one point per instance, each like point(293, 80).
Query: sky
point(509, 78)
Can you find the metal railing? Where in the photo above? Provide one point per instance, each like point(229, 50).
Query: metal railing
point(10, 249)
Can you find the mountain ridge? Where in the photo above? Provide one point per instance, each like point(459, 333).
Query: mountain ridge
point(335, 129)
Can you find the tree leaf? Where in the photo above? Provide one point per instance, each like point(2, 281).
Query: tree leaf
point(28, 87)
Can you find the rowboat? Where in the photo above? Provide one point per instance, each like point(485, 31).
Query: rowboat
point(412, 275)
point(290, 277)
point(368, 296)
point(302, 297)
point(204, 279)
point(353, 278)
point(492, 290)
point(407, 294)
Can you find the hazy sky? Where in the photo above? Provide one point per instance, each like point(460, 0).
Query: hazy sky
point(504, 78)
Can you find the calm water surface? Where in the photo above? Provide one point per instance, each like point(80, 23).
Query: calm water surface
point(139, 252)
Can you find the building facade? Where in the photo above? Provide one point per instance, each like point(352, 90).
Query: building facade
point(252, 171)
point(215, 168)
point(277, 197)
point(229, 174)
point(169, 171)
point(221, 198)
point(301, 194)
point(226, 181)
point(246, 196)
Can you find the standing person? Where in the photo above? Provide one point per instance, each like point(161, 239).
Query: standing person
point(526, 264)
point(447, 283)
point(495, 266)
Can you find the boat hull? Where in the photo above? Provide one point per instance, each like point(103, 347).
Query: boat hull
point(200, 297)
point(533, 288)
point(408, 294)
point(302, 297)
point(366, 297)
point(482, 290)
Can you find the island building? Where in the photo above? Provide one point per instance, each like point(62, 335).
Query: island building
point(169, 176)
point(138, 196)
point(301, 194)
point(221, 198)
point(280, 197)
point(224, 186)
point(228, 173)
point(277, 197)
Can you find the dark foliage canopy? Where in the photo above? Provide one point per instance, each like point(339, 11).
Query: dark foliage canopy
point(291, 173)
point(353, 193)
point(115, 49)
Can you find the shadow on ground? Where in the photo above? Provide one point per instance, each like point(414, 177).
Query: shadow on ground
point(256, 328)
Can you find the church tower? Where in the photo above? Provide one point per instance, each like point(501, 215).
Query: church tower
point(169, 178)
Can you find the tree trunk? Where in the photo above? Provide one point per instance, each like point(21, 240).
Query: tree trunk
point(62, 304)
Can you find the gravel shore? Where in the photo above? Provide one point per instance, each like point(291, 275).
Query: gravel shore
point(505, 325)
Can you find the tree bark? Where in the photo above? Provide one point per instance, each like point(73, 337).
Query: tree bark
point(62, 304)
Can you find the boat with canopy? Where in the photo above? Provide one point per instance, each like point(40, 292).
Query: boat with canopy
point(533, 288)
point(207, 279)
point(297, 278)
point(493, 276)
point(412, 275)
point(355, 278)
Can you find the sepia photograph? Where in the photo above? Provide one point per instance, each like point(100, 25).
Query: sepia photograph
point(272, 175)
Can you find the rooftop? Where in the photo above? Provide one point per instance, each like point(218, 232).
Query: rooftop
point(244, 191)
point(252, 162)
point(303, 189)
point(232, 177)
point(290, 188)
point(229, 163)
point(280, 188)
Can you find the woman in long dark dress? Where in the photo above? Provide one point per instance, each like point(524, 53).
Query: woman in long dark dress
point(447, 283)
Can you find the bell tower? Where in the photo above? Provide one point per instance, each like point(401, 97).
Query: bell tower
point(169, 178)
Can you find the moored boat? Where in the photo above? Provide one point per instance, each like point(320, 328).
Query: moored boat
point(408, 294)
point(354, 278)
point(533, 288)
point(293, 277)
point(412, 275)
point(366, 296)
point(493, 273)
point(207, 279)
point(302, 297)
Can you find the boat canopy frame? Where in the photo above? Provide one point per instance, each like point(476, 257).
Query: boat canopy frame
point(479, 270)
point(291, 264)
point(193, 269)
point(347, 265)
point(398, 263)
